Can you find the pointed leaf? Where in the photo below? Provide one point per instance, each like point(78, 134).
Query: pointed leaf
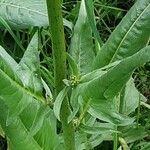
point(91, 18)
point(130, 98)
point(106, 112)
point(81, 48)
point(58, 102)
point(23, 14)
point(29, 66)
point(23, 116)
point(110, 84)
point(130, 36)
point(96, 129)
point(133, 133)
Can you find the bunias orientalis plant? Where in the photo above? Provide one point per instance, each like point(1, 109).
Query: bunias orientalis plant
point(93, 104)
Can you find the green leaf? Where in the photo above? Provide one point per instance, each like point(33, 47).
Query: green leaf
point(58, 102)
point(97, 73)
point(81, 48)
point(29, 67)
point(106, 111)
point(24, 14)
point(146, 146)
point(74, 104)
point(130, 36)
point(130, 98)
point(96, 129)
point(26, 121)
point(91, 18)
point(11, 89)
point(11, 62)
point(73, 66)
point(16, 131)
point(107, 86)
point(19, 133)
point(40, 121)
point(104, 89)
point(133, 133)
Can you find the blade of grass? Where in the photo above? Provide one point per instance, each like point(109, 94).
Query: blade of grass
point(5, 24)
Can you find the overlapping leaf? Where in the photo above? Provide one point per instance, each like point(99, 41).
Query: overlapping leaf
point(24, 14)
point(29, 67)
point(81, 44)
point(25, 120)
point(110, 84)
point(130, 35)
point(129, 98)
point(103, 89)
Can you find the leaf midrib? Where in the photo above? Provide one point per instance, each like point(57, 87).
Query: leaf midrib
point(128, 33)
point(40, 98)
point(25, 8)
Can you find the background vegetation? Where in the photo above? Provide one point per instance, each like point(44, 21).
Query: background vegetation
point(108, 14)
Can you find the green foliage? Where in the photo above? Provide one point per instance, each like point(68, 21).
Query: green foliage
point(22, 102)
point(81, 50)
point(129, 36)
point(25, 14)
point(99, 94)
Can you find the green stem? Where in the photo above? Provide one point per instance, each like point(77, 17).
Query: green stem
point(115, 140)
point(115, 135)
point(59, 56)
point(138, 112)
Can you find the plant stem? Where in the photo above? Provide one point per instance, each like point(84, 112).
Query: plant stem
point(138, 112)
point(115, 135)
point(58, 42)
point(115, 140)
point(59, 56)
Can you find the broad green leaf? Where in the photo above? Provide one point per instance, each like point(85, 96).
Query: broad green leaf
point(16, 127)
point(84, 142)
point(106, 111)
point(8, 59)
point(23, 14)
point(40, 121)
point(107, 86)
point(129, 99)
point(29, 67)
point(58, 102)
point(28, 123)
point(11, 85)
point(97, 73)
point(73, 66)
point(133, 133)
point(96, 140)
point(74, 104)
point(104, 89)
point(129, 37)
point(11, 89)
point(91, 18)
point(146, 146)
point(43, 121)
point(19, 133)
point(96, 129)
point(81, 48)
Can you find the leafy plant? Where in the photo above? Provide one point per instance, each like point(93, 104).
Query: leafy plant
point(81, 97)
